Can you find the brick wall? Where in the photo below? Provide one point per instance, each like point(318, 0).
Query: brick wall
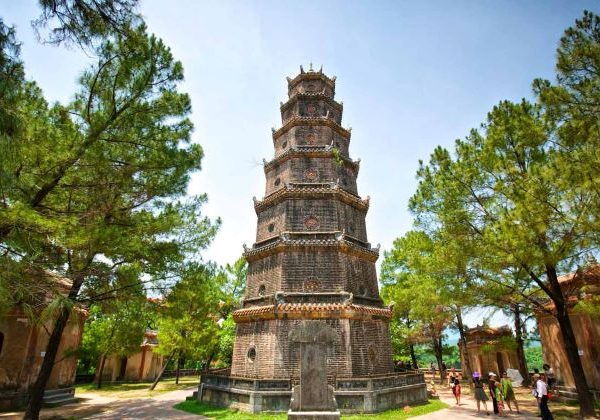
point(362, 348)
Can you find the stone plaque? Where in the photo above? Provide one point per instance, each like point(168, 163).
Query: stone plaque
point(313, 394)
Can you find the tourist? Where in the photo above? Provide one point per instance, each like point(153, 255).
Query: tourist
point(480, 393)
point(452, 376)
point(492, 387)
point(456, 389)
point(508, 392)
point(432, 369)
point(541, 394)
point(498, 396)
point(549, 372)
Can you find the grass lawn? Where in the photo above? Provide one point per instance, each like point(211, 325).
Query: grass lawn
point(136, 389)
point(219, 413)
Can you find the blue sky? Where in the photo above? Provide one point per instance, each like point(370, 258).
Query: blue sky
point(412, 75)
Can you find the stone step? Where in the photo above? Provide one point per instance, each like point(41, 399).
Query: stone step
point(61, 396)
point(60, 401)
point(192, 397)
point(57, 391)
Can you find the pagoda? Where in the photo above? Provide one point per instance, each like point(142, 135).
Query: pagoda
point(312, 261)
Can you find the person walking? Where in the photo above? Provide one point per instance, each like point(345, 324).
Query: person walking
point(549, 372)
point(480, 393)
point(508, 392)
point(456, 390)
point(542, 397)
point(452, 376)
point(492, 386)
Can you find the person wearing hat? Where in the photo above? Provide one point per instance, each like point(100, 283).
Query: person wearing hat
point(492, 386)
point(480, 393)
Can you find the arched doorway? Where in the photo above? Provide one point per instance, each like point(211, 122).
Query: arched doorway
point(500, 363)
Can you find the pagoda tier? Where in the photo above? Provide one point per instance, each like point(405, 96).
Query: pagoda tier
point(312, 258)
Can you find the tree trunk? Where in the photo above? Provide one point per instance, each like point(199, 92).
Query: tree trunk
point(100, 371)
point(158, 378)
point(520, 346)
point(209, 361)
point(413, 356)
point(586, 406)
point(36, 391)
point(177, 364)
point(467, 369)
point(437, 350)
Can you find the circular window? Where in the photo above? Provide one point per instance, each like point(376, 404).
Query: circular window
point(344, 182)
point(277, 182)
point(351, 228)
point(312, 285)
point(284, 145)
point(271, 227)
point(372, 353)
point(311, 138)
point(311, 174)
point(311, 222)
point(362, 291)
point(262, 290)
point(251, 354)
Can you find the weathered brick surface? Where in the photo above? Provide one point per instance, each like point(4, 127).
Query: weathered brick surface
point(295, 170)
point(311, 149)
point(362, 349)
point(291, 215)
point(304, 136)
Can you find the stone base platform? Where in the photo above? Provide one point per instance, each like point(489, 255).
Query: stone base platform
point(314, 415)
point(353, 395)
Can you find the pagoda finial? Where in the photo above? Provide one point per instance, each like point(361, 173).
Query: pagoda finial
point(321, 69)
point(301, 69)
point(310, 67)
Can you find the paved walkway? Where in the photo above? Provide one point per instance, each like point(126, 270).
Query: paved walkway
point(159, 407)
point(468, 408)
point(94, 406)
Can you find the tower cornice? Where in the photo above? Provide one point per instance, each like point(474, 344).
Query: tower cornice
point(311, 151)
point(310, 311)
point(311, 95)
point(310, 75)
point(287, 241)
point(310, 190)
point(310, 121)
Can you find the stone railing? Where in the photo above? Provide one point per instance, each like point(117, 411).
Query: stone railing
point(248, 384)
point(379, 382)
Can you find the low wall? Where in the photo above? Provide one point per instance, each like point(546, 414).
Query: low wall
point(353, 395)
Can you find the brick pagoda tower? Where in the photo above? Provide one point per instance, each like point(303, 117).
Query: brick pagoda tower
point(311, 261)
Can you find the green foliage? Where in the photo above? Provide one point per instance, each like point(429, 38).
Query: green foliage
point(534, 357)
point(523, 188)
point(98, 185)
point(188, 318)
point(83, 22)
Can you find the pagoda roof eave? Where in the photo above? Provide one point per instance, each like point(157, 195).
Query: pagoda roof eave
point(311, 75)
point(311, 311)
point(291, 191)
point(310, 151)
point(311, 121)
point(282, 243)
point(320, 95)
